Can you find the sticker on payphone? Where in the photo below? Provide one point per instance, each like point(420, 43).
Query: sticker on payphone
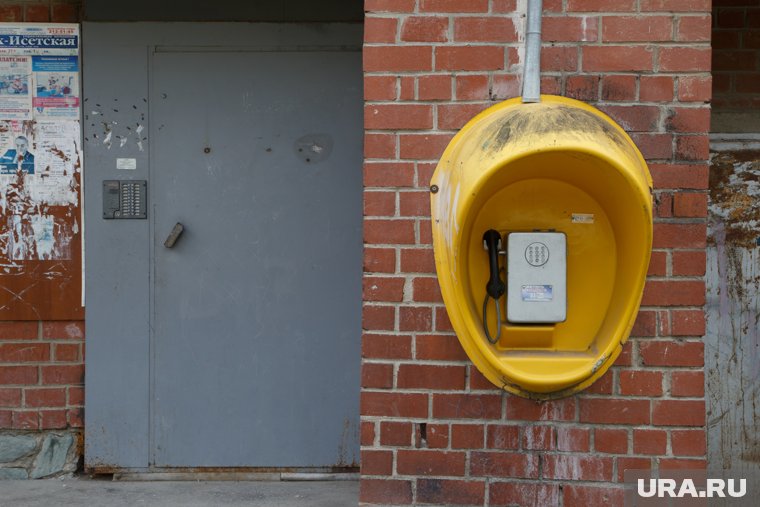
point(537, 293)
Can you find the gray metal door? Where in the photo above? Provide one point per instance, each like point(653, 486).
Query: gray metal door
point(240, 345)
point(256, 307)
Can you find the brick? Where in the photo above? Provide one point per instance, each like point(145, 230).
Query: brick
point(455, 116)
point(681, 464)
point(582, 87)
point(663, 205)
point(10, 398)
point(503, 437)
point(504, 464)
point(472, 87)
point(385, 491)
point(678, 413)
point(437, 436)
point(529, 410)
point(573, 439)
point(65, 13)
point(63, 330)
point(508, 6)
point(618, 87)
point(379, 346)
point(425, 29)
point(425, 172)
point(611, 441)
point(466, 406)
point(423, 146)
point(389, 231)
point(682, 59)
point(637, 28)
point(478, 382)
point(37, 14)
point(688, 119)
point(634, 118)
point(577, 468)
point(625, 357)
point(379, 204)
point(379, 88)
point(18, 330)
point(69, 374)
point(602, 385)
point(676, 5)
point(427, 290)
point(406, 88)
point(687, 383)
point(600, 5)
point(538, 438)
point(442, 322)
point(27, 420)
point(694, 29)
point(377, 376)
point(669, 235)
point(418, 376)
point(417, 260)
point(75, 417)
point(415, 318)
point(690, 205)
point(378, 318)
point(53, 419)
point(614, 411)
point(747, 83)
point(674, 293)
point(439, 348)
point(616, 58)
point(376, 462)
point(681, 176)
point(397, 58)
point(650, 441)
point(379, 30)
point(656, 88)
point(384, 174)
point(414, 204)
point(453, 6)
point(367, 433)
point(658, 264)
point(377, 288)
point(427, 463)
point(505, 86)
point(654, 146)
point(434, 87)
point(559, 58)
point(524, 493)
point(469, 58)
point(76, 396)
point(24, 352)
point(6, 418)
point(732, 61)
point(394, 404)
point(582, 496)
point(484, 29)
point(569, 29)
point(11, 14)
point(467, 436)
point(398, 117)
point(689, 263)
point(688, 322)
point(395, 434)
point(440, 491)
point(641, 383)
point(672, 353)
point(624, 464)
point(389, 5)
point(688, 442)
point(379, 260)
point(379, 146)
point(36, 398)
point(67, 352)
point(18, 375)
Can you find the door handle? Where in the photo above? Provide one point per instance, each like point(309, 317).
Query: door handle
point(174, 235)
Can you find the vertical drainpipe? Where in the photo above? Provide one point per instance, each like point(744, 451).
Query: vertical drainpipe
point(531, 83)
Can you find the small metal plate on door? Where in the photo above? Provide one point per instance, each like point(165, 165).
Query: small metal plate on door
point(125, 199)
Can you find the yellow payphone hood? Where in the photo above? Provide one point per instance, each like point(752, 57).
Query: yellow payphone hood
point(555, 165)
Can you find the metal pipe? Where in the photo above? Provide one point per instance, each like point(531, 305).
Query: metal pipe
point(531, 83)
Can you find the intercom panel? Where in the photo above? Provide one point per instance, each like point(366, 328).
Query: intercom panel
point(124, 199)
point(536, 277)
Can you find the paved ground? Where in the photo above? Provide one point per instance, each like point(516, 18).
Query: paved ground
point(70, 492)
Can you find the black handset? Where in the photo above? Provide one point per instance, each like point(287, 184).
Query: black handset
point(495, 287)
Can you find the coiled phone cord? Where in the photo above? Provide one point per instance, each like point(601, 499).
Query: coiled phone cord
point(495, 287)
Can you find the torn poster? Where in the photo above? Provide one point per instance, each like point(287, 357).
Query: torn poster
point(56, 89)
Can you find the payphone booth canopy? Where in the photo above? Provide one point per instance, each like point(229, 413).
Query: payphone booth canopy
point(555, 165)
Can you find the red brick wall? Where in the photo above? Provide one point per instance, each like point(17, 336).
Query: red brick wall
point(736, 55)
point(41, 363)
point(433, 429)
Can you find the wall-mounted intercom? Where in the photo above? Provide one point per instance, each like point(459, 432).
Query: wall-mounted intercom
point(125, 199)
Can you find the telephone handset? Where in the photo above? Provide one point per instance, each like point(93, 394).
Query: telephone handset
point(495, 287)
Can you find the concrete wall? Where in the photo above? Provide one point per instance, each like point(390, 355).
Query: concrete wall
point(433, 429)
